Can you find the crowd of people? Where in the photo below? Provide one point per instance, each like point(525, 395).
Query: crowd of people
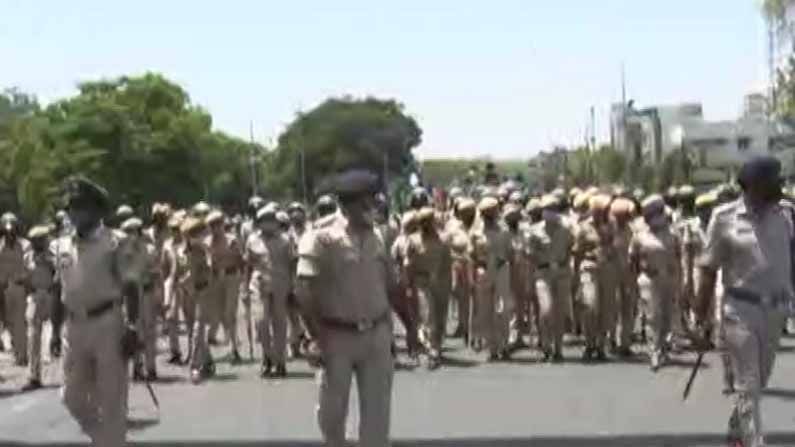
point(513, 270)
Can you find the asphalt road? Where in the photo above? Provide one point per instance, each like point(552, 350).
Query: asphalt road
point(467, 402)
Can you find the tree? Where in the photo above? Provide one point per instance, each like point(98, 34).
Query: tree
point(342, 133)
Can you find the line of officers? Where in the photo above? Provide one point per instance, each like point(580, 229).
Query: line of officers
point(592, 263)
point(197, 264)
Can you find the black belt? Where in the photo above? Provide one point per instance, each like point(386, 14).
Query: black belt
point(231, 270)
point(199, 286)
point(95, 311)
point(361, 326)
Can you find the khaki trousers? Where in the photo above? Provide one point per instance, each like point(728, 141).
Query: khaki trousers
point(147, 329)
point(367, 355)
point(434, 300)
point(206, 309)
point(38, 310)
point(657, 295)
point(461, 290)
point(552, 289)
point(272, 328)
point(494, 308)
point(597, 301)
point(227, 291)
point(752, 333)
point(16, 304)
point(95, 377)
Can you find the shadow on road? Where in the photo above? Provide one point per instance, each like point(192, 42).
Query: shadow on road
point(650, 440)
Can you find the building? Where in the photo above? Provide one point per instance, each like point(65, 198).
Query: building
point(649, 135)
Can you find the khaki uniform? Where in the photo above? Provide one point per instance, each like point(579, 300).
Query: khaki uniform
point(626, 286)
point(227, 254)
point(691, 238)
point(429, 264)
point(41, 271)
point(271, 259)
point(550, 247)
point(491, 252)
point(593, 247)
point(12, 292)
point(176, 294)
point(352, 274)
point(158, 239)
point(297, 329)
point(95, 373)
point(521, 281)
point(200, 289)
point(656, 254)
point(753, 252)
point(461, 282)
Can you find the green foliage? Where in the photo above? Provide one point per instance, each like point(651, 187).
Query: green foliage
point(141, 137)
point(341, 133)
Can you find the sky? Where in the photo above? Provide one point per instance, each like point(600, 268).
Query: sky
point(499, 78)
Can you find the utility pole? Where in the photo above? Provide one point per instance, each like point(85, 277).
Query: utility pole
point(252, 160)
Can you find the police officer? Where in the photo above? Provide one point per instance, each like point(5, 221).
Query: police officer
point(520, 270)
point(549, 244)
point(199, 288)
point(227, 260)
point(94, 281)
point(326, 205)
point(41, 274)
point(349, 281)
point(175, 274)
point(655, 258)
point(458, 238)
point(429, 267)
point(62, 227)
point(622, 212)
point(750, 242)
point(140, 252)
point(12, 284)
point(269, 253)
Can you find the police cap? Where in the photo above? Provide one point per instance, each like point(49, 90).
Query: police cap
point(425, 214)
point(124, 212)
point(488, 204)
point(80, 192)
point(214, 217)
point(39, 232)
point(192, 225)
point(131, 224)
point(653, 205)
point(759, 168)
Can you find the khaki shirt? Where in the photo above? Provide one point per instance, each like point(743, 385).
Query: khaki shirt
point(272, 257)
point(91, 269)
point(656, 252)
point(354, 271)
point(12, 267)
point(226, 251)
point(41, 269)
point(490, 246)
point(752, 250)
point(593, 243)
point(621, 241)
point(199, 262)
point(175, 256)
point(429, 258)
point(549, 244)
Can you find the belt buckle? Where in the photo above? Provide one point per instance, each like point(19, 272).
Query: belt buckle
point(364, 325)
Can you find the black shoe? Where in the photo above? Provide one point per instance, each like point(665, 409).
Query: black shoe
point(625, 352)
point(587, 355)
point(459, 332)
point(55, 348)
point(266, 369)
point(32, 385)
point(547, 357)
point(212, 341)
point(494, 356)
point(151, 375)
point(281, 371)
point(2, 345)
point(557, 358)
point(505, 355)
point(175, 359)
point(236, 359)
point(209, 369)
point(295, 350)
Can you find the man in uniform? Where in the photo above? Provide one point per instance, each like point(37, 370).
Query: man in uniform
point(227, 260)
point(750, 242)
point(157, 234)
point(491, 253)
point(457, 234)
point(200, 289)
point(520, 272)
point(95, 280)
point(549, 244)
point(348, 283)
point(594, 255)
point(622, 212)
point(269, 254)
point(326, 205)
point(12, 284)
point(654, 257)
point(687, 229)
point(297, 335)
point(41, 273)
point(175, 297)
point(429, 267)
point(62, 227)
point(141, 253)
